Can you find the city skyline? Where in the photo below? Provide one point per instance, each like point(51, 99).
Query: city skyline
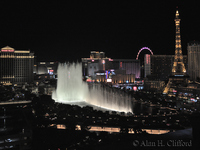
point(56, 31)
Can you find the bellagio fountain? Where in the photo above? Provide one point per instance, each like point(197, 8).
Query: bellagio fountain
point(71, 89)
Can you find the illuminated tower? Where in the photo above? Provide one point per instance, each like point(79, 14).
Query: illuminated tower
point(178, 66)
point(178, 76)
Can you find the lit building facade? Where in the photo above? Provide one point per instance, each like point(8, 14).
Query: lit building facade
point(147, 65)
point(193, 49)
point(154, 85)
point(44, 68)
point(91, 66)
point(16, 66)
point(100, 68)
point(97, 54)
point(130, 66)
point(161, 66)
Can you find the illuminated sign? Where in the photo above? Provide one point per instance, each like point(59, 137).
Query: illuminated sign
point(89, 80)
point(103, 61)
point(100, 74)
point(7, 50)
point(192, 99)
point(109, 80)
point(179, 75)
point(50, 71)
point(120, 64)
point(106, 74)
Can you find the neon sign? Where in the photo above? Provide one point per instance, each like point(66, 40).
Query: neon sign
point(7, 50)
point(120, 64)
point(109, 80)
point(179, 75)
point(50, 72)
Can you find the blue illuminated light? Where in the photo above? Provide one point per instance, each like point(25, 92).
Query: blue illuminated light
point(106, 74)
point(179, 75)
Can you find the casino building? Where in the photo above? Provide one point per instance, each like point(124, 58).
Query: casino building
point(103, 69)
point(16, 66)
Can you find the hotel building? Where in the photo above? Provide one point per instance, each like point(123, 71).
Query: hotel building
point(101, 68)
point(16, 66)
point(193, 60)
point(161, 66)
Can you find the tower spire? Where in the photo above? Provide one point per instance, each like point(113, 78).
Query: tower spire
point(178, 65)
point(178, 76)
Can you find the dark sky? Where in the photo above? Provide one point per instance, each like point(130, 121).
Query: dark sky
point(69, 31)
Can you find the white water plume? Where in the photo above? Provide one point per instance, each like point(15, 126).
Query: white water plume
point(72, 89)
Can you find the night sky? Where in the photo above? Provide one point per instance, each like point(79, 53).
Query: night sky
point(57, 31)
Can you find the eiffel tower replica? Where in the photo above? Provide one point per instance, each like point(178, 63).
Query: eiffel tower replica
point(178, 75)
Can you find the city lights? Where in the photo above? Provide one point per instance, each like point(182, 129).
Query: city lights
point(90, 79)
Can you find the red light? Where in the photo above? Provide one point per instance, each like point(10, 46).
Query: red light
point(88, 80)
point(135, 88)
point(120, 64)
point(50, 70)
point(174, 91)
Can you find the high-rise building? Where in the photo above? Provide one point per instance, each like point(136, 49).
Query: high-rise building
point(193, 59)
point(147, 65)
point(16, 66)
point(161, 66)
point(130, 66)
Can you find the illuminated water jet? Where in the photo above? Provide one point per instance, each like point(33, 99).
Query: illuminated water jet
point(71, 89)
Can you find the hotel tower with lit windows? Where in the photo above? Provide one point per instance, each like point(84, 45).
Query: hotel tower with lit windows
point(16, 66)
